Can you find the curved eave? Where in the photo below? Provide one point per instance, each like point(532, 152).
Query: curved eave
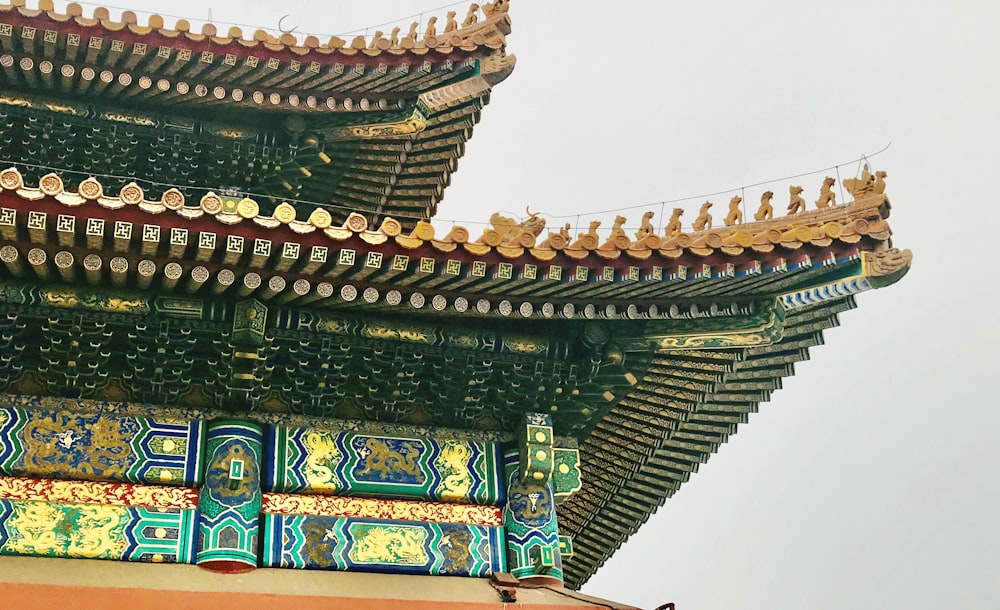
point(657, 436)
point(403, 268)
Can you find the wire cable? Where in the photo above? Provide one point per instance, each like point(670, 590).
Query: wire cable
point(862, 158)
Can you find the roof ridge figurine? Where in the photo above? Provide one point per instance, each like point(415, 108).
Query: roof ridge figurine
point(796, 203)
point(704, 219)
point(764, 211)
point(826, 195)
point(735, 215)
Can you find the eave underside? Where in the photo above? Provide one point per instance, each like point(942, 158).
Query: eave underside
point(683, 409)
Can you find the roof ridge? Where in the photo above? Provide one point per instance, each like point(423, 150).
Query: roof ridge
point(469, 35)
point(848, 223)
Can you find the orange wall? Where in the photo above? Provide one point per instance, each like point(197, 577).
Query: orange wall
point(60, 597)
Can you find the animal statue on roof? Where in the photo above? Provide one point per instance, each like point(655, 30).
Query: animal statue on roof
point(887, 261)
point(673, 227)
point(431, 30)
point(826, 195)
point(867, 185)
point(617, 228)
point(471, 17)
point(880, 177)
point(394, 37)
point(735, 215)
point(591, 231)
point(452, 24)
point(704, 219)
point(500, 6)
point(860, 187)
point(508, 228)
point(564, 231)
point(412, 33)
point(796, 203)
point(765, 211)
point(375, 39)
point(646, 228)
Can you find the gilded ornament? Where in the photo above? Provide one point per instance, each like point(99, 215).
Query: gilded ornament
point(388, 459)
point(832, 230)
point(77, 446)
point(320, 218)
point(423, 230)
point(211, 204)
point(131, 194)
point(766, 330)
point(11, 179)
point(173, 199)
point(52, 185)
point(356, 222)
point(69, 530)
point(388, 544)
point(248, 208)
point(8, 100)
point(453, 464)
point(524, 344)
point(284, 213)
point(90, 189)
point(120, 117)
point(390, 227)
point(322, 458)
point(414, 124)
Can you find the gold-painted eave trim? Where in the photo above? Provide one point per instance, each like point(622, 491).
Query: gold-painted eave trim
point(766, 329)
point(410, 126)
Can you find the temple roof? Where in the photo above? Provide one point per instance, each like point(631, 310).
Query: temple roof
point(650, 351)
point(312, 284)
point(370, 126)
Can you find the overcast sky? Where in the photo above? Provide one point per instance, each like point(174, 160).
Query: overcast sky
point(869, 481)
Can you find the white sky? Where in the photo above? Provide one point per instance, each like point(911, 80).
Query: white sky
point(870, 481)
